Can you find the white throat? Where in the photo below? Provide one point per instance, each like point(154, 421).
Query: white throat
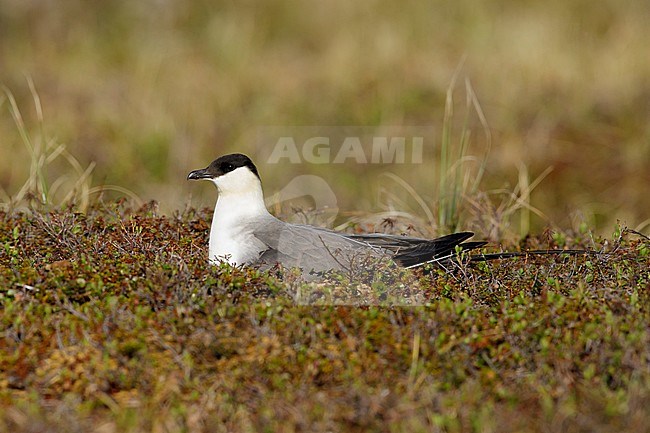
point(239, 206)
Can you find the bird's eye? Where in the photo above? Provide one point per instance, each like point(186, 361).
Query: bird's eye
point(227, 167)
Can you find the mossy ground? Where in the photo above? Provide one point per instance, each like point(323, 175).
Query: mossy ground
point(112, 321)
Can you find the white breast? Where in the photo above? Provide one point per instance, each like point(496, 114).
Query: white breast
point(231, 243)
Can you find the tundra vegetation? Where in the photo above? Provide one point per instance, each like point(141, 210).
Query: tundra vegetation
point(112, 320)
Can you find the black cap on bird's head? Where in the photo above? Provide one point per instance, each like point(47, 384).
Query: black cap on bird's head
point(223, 165)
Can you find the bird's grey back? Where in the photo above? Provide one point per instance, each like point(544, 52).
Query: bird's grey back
point(309, 248)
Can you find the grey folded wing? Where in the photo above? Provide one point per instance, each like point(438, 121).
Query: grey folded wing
point(310, 248)
point(317, 249)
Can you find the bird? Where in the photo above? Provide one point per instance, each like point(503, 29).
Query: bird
point(243, 231)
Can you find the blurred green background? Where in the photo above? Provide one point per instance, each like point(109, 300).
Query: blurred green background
point(149, 90)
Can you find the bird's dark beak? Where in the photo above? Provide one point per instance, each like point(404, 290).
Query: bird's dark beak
point(199, 174)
